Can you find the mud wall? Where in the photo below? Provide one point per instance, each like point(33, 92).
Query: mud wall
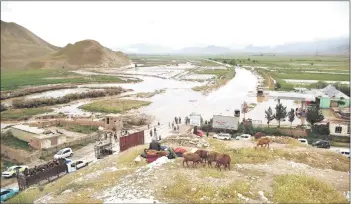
point(18, 155)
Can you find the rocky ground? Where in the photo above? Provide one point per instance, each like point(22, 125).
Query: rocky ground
point(252, 179)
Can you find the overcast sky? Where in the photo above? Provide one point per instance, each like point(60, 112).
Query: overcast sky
point(180, 24)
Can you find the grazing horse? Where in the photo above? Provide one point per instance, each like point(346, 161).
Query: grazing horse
point(263, 141)
point(195, 158)
point(223, 159)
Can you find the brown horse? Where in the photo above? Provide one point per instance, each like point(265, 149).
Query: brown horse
point(263, 141)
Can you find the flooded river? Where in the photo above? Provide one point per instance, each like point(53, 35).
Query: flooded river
point(180, 100)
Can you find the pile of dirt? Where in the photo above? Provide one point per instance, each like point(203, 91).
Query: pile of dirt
point(136, 120)
point(19, 46)
point(189, 140)
point(282, 140)
point(83, 54)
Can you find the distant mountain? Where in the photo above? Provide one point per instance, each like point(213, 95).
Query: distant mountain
point(208, 50)
point(323, 46)
point(146, 49)
point(83, 54)
point(19, 46)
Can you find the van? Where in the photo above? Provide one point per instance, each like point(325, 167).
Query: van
point(303, 141)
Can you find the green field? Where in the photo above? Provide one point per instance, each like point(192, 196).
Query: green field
point(15, 79)
point(323, 68)
point(23, 114)
point(114, 106)
point(85, 129)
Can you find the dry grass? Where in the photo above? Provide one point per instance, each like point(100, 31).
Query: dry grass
point(185, 190)
point(311, 157)
point(126, 158)
point(304, 189)
point(212, 172)
point(28, 196)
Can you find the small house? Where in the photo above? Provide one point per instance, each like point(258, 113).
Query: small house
point(36, 137)
point(113, 122)
point(339, 128)
point(329, 97)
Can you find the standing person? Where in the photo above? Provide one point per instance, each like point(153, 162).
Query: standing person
point(172, 125)
point(169, 124)
point(150, 133)
point(148, 126)
point(158, 123)
point(175, 119)
point(207, 133)
point(180, 120)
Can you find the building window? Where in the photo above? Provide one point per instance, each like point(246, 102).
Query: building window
point(108, 121)
point(338, 129)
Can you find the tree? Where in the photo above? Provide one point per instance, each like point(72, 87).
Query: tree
point(340, 103)
point(313, 115)
point(291, 116)
point(269, 115)
point(280, 112)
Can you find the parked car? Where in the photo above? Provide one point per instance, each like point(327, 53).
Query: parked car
point(243, 137)
point(321, 144)
point(11, 171)
point(224, 136)
point(215, 136)
point(346, 153)
point(303, 141)
point(64, 153)
point(79, 164)
point(8, 193)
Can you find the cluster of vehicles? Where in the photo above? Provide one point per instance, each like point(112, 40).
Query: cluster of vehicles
point(12, 171)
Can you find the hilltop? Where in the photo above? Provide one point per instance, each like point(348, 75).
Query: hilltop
point(83, 54)
point(19, 46)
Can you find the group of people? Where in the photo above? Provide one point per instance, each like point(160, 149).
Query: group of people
point(154, 132)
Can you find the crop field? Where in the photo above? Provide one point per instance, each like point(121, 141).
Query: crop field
point(11, 80)
point(281, 68)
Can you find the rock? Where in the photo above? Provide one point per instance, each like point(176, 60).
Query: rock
point(193, 189)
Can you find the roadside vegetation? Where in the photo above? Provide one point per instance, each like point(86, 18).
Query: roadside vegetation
point(37, 102)
point(114, 106)
point(23, 114)
point(11, 80)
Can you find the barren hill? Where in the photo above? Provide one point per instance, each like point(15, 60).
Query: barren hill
point(19, 46)
point(83, 54)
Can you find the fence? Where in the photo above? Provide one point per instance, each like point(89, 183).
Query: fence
point(131, 140)
point(82, 141)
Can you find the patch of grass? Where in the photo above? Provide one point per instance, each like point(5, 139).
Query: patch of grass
point(114, 106)
point(323, 160)
point(85, 129)
point(150, 94)
point(23, 114)
point(11, 79)
point(84, 197)
point(126, 158)
point(189, 192)
point(206, 63)
point(212, 172)
point(9, 140)
point(27, 196)
point(304, 189)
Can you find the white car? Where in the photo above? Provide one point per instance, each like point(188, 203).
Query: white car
point(215, 136)
point(64, 153)
point(12, 171)
point(224, 136)
point(303, 141)
point(243, 137)
point(346, 153)
point(78, 164)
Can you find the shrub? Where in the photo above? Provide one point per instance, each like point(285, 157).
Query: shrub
point(2, 107)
